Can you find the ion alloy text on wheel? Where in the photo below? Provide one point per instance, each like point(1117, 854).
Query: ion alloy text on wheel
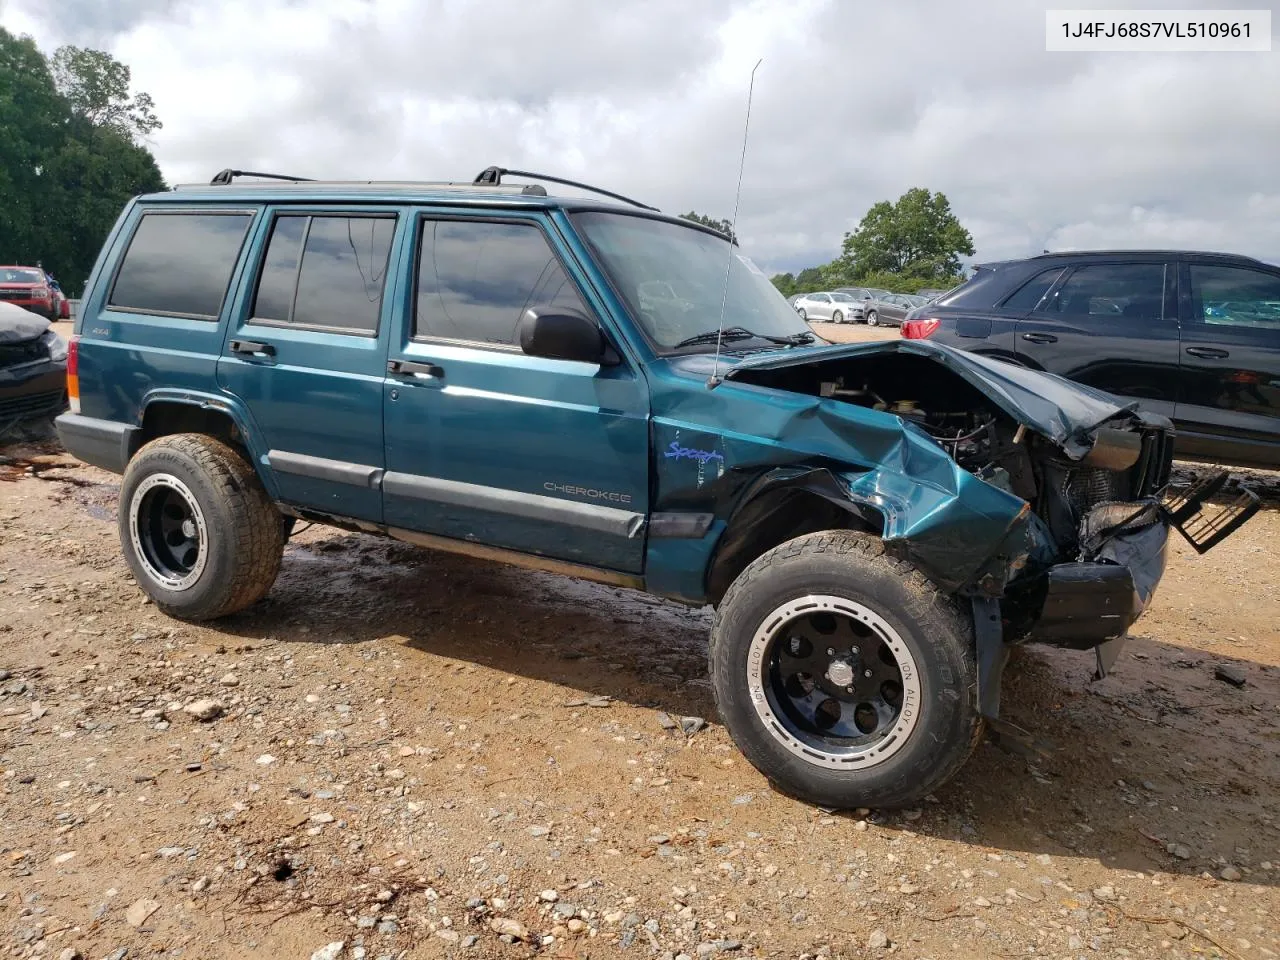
point(168, 530)
point(833, 682)
point(843, 674)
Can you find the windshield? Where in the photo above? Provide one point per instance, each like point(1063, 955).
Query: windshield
point(673, 281)
point(843, 298)
point(19, 275)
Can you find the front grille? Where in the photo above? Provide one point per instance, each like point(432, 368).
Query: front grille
point(15, 294)
point(1089, 485)
point(26, 351)
point(32, 405)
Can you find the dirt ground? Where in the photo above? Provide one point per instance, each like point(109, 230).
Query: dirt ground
point(407, 754)
point(853, 332)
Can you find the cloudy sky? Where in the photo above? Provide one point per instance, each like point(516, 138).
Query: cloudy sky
point(855, 102)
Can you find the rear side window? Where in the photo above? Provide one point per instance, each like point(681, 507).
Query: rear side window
point(1029, 295)
point(1236, 296)
point(180, 264)
point(1103, 291)
point(476, 279)
point(327, 273)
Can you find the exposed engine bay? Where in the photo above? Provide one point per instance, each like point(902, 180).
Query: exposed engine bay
point(985, 440)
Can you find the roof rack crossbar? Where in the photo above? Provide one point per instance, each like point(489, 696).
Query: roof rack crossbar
point(224, 177)
point(494, 175)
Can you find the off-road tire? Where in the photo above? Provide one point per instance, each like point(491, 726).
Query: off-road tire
point(935, 629)
point(243, 530)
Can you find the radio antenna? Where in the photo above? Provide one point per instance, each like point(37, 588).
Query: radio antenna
point(733, 231)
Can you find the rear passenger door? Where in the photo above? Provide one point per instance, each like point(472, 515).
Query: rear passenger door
point(306, 353)
point(1113, 326)
point(487, 444)
point(1230, 400)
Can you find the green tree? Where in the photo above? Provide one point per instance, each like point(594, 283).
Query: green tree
point(916, 237)
point(808, 280)
point(785, 283)
point(724, 226)
point(67, 166)
point(96, 87)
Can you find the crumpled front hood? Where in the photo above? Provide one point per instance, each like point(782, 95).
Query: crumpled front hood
point(17, 324)
point(1062, 411)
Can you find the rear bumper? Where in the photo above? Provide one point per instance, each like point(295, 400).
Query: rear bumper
point(34, 390)
point(101, 443)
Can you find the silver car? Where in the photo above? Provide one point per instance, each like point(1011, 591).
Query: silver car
point(835, 307)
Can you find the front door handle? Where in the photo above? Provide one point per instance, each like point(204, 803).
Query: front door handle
point(1208, 353)
point(1040, 337)
point(253, 348)
point(422, 371)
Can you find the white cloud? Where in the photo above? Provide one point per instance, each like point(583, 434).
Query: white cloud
point(855, 103)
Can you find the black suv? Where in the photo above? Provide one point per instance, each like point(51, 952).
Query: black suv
point(1192, 336)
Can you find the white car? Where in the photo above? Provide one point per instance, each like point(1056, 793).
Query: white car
point(835, 307)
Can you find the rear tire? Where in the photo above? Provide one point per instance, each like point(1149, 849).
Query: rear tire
point(197, 528)
point(903, 651)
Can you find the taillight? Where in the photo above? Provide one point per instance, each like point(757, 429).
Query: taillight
point(920, 329)
point(73, 372)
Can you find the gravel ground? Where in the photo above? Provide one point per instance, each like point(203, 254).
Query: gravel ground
point(406, 754)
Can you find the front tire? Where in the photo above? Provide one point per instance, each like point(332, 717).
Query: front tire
point(197, 528)
point(872, 319)
point(837, 317)
point(844, 675)
point(803, 315)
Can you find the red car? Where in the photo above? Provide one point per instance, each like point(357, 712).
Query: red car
point(30, 287)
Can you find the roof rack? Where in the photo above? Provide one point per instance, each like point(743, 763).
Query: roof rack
point(224, 177)
point(492, 176)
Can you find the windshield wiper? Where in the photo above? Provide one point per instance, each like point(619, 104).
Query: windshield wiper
point(730, 334)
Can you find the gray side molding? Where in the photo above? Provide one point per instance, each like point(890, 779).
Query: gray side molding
point(532, 506)
point(338, 471)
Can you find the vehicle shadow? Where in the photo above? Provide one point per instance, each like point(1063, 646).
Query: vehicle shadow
point(1159, 767)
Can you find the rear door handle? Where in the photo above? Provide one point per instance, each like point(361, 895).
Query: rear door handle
point(253, 348)
point(422, 371)
point(1040, 337)
point(1208, 353)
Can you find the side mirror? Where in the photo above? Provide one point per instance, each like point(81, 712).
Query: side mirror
point(564, 336)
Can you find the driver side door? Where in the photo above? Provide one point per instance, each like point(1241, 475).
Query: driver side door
point(487, 444)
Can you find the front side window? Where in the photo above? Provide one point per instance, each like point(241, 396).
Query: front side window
point(325, 272)
point(704, 271)
point(1107, 291)
point(477, 278)
point(180, 264)
point(1235, 296)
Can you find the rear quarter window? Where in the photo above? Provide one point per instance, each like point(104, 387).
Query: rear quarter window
point(179, 264)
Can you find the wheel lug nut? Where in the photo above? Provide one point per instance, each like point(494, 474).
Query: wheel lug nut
point(831, 651)
point(866, 673)
point(853, 649)
point(848, 689)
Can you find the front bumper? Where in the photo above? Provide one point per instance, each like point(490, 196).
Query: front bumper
point(44, 308)
point(31, 391)
point(1097, 598)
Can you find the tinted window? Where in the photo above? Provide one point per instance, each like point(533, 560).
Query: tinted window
point(179, 263)
point(344, 268)
point(280, 269)
point(342, 276)
point(475, 280)
point(1236, 296)
point(1109, 290)
point(1033, 291)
